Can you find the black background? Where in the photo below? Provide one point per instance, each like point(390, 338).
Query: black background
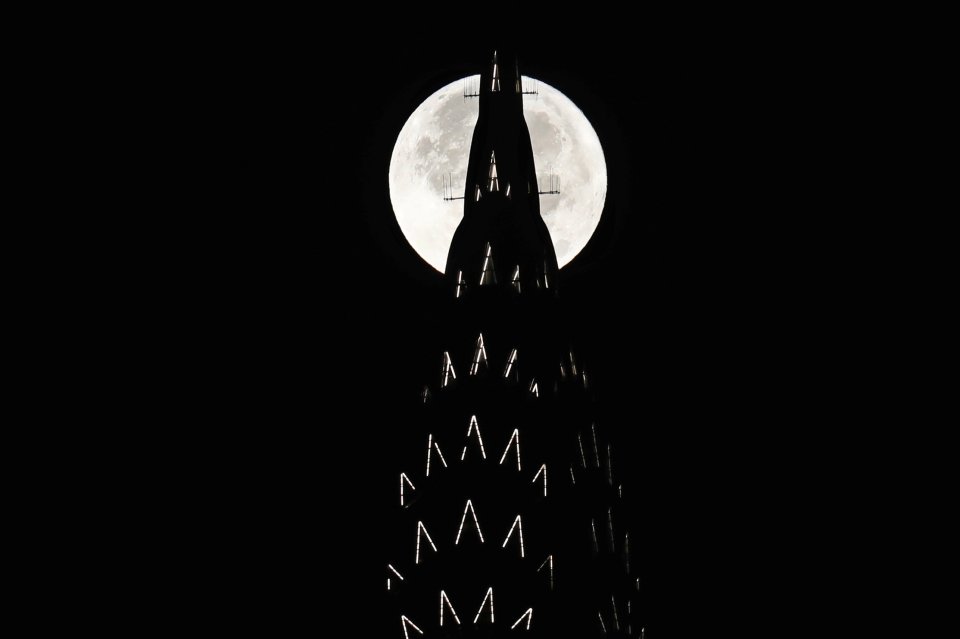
point(305, 310)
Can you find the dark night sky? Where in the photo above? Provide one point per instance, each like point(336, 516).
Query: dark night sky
point(311, 321)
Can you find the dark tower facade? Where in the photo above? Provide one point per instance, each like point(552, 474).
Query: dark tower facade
point(507, 519)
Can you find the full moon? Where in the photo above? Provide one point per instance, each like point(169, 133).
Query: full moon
point(434, 145)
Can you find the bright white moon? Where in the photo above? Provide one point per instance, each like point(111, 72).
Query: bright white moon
point(435, 142)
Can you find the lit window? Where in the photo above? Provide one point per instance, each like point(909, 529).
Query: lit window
point(405, 480)
point(620, 490)
point(573, 479)
point(534, 388)
point(488, 597)
point(433, 446)
point(563, 371)
point(493, 182)
point(529, 617)
point(548, 562)
point(461, 284)
point(406, 622)
point(445, 599)
point(514, 440)
point(573, 364)
point(479, 356)
point(626, 552)
point(518, 526)
point(448, 372)
point(394, 571)
point(508, 191)
point(583, 457)
point(542, 471)
point(425, 394)
point(602, 625)
point(423, 529)
point(474, 427)
point(476, 193)
point(488, 276)
point(596, 446)
point(495, 81)
point(616, 617)
point(511, 360)
point(596, 542)
point(610, 464)
point(463, 520)
point(515, 279)
point(613, 541)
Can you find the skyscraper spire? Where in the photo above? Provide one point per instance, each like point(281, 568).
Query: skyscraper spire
point(501, 200)
point(509, 399)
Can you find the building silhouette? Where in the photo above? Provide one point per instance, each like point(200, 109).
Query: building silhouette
point(507, 512)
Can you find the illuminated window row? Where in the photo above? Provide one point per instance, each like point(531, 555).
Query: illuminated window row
point(446, 606)
point(488, 274)
point(422, 533)
point(449, 373)
point(473, 432)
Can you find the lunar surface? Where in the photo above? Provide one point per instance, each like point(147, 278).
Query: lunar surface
point(434, 145)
